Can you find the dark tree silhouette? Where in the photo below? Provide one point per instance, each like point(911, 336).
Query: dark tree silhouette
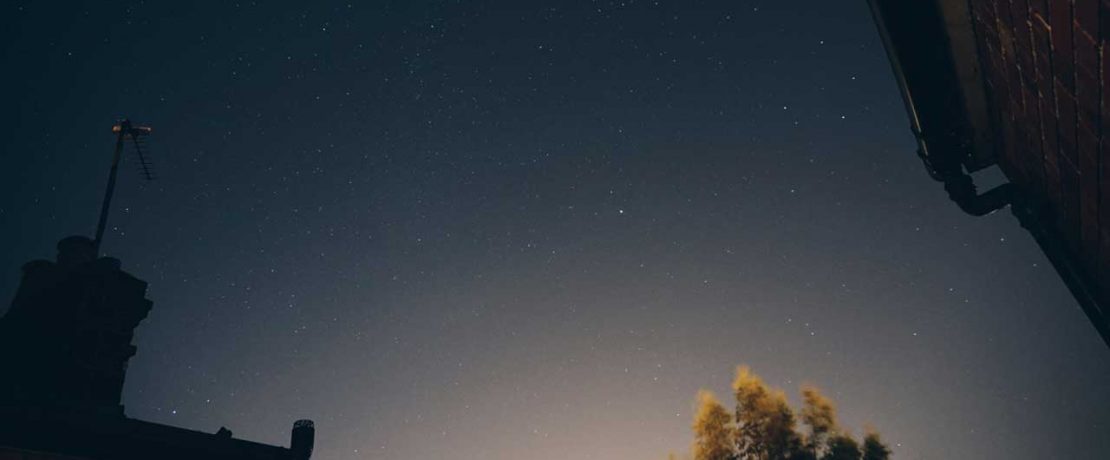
point(873, 448)
point(842, 447)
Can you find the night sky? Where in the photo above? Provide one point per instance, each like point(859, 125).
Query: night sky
point(506, 230)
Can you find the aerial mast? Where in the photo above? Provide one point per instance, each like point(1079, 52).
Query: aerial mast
point(124, 130)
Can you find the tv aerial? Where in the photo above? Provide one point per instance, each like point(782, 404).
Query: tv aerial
point(125, 131)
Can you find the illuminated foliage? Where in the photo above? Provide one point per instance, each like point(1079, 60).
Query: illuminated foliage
point(765, 423)
point(819, 414)
point(713, 430)
point(763, 427)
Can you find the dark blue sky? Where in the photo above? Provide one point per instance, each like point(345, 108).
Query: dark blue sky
point(532, 229)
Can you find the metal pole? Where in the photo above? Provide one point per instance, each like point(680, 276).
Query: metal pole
point(124, 128)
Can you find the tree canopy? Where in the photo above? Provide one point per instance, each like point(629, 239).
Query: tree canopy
point(764, 427)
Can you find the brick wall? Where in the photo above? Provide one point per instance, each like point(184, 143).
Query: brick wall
point(1045, 73)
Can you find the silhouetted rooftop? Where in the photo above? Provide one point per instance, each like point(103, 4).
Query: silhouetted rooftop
point(1023, 87)
point(64, 347)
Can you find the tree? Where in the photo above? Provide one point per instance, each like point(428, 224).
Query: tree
point(764, 422)
point(842, 447)
point(819, 414)
point(873, 447)
point(803, 454)
point(713, 431)
point(763, 427)
point(781, 438)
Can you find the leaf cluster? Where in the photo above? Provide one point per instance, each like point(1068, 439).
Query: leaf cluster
point(764, 427)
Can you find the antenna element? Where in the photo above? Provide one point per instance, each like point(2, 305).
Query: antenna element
point(123, 130)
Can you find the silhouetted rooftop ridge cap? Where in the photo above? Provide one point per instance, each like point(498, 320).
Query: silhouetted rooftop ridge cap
point(303, 438)
point(113, 430)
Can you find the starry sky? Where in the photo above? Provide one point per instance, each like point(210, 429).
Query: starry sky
point(505, 229)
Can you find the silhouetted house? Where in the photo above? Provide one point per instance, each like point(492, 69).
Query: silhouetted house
point(64, 346)
point(1019, 84)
